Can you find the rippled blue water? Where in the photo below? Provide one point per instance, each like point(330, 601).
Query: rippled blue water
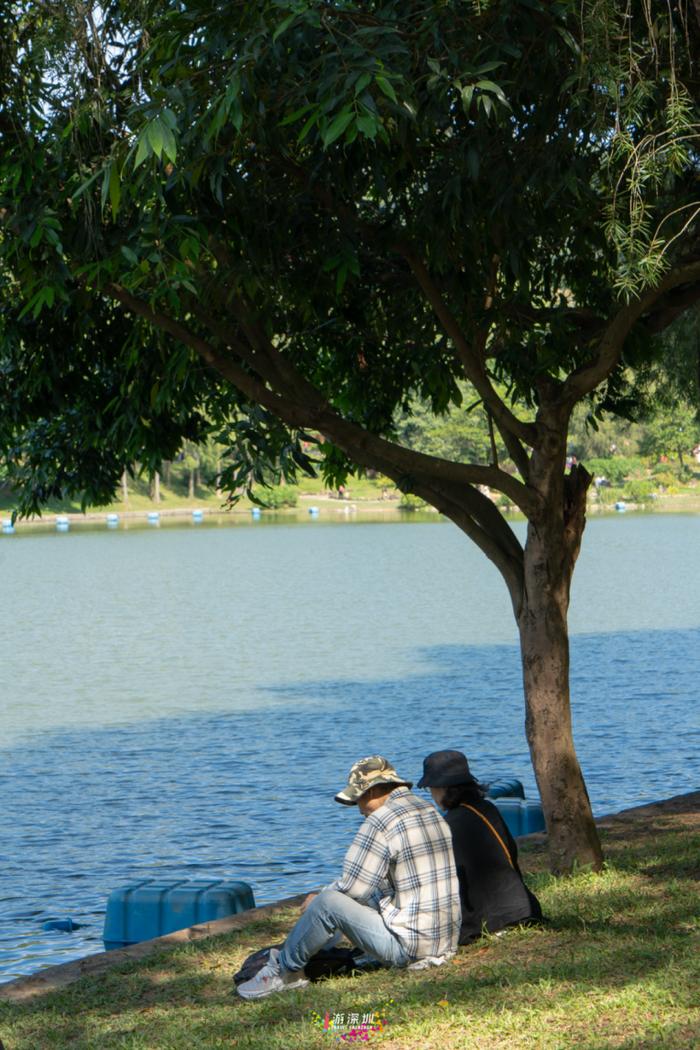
point(186, 702)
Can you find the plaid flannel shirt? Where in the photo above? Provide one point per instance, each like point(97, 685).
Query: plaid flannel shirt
point(401, 862)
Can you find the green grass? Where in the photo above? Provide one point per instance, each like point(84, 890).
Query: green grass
point(617, 966)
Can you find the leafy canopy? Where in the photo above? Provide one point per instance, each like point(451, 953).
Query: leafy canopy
point(303, 175)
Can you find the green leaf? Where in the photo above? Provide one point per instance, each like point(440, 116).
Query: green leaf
point(115, 189)
point(104, 193)
point(337, 126)
point(143, 150)
point(307, 127)
point(284, 24)
point(130, 255)
point(154, 131)
point(88, 182)
point(386, 87)
point(467, 95)
point(493, 89)
point(292, 117)
point(362, 83)
point(169, 143)
point(487, 104)
point(368, 125)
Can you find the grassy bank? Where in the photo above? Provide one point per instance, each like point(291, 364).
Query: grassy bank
point(617, 966)
point(364, 493)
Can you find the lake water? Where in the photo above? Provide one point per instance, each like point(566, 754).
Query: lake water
point(186, 701)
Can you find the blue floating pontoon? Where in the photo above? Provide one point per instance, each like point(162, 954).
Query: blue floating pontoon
point(522, 816)
point(154, 907)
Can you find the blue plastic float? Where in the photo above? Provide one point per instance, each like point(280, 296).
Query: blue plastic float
point(154, 907)
point(64, 925)
point(504, 787)
point(522, 816)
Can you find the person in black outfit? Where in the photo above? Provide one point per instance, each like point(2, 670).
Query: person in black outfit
point(491, 887)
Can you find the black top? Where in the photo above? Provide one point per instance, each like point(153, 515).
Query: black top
point(492, 892)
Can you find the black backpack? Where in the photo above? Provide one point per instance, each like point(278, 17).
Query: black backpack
point(329, 962)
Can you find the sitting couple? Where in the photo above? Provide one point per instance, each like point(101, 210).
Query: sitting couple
point(414, 885)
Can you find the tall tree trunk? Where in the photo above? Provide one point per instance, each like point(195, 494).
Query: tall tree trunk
point(155, 487)
point(544, 640)
point(553, 543)
point(125, 487)
point(190, 486)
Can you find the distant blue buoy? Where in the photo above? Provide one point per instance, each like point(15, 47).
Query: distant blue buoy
point(621, 506)
point(313, 512)
point(197, 515)
point(62, 523)
point(112, 521)
point(8, 528)
point(153, 517)
point(65, 925)
point(255, 512)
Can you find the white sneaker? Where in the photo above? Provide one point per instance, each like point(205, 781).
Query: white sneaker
point(272, 978)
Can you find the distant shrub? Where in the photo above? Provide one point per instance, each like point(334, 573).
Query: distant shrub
point(664, 478)
point(607, 495)
point(410, 502)
point(280, 496)
point(616, 468)
point(639, 491)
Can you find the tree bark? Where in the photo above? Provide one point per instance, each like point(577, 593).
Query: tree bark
point(553, 543)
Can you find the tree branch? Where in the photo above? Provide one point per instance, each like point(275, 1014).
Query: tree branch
point(587, 378)
point(471, 362)
point(288, 380)
point(301, 405)
point(671, 307)
point(503, 550)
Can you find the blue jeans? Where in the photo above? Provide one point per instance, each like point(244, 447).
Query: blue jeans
point(362, 925)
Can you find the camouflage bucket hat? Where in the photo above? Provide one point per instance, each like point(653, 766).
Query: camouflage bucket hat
point(366, 774)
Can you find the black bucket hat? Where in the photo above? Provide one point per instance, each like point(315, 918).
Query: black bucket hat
point(445, 769)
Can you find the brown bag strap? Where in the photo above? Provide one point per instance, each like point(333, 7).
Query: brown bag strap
point(490, 825)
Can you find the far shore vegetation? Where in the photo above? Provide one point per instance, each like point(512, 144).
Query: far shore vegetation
point(616, 966)
point(647, 465)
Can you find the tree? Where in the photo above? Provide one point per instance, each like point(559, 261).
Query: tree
point(674, 430)
point(463, 433)
point(276, 220)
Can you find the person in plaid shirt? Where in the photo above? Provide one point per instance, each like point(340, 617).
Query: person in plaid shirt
point(398, 895)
